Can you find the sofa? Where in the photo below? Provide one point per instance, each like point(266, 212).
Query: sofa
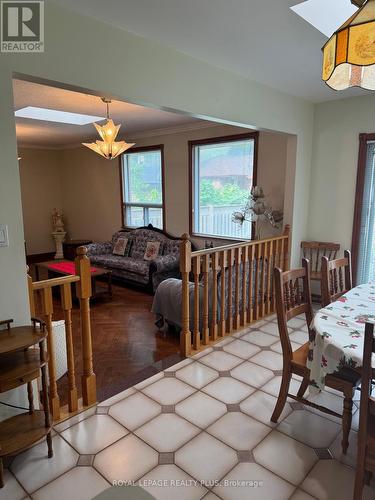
point(133, 268)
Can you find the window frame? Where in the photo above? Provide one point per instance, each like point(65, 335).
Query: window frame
point(358, 203)
point(124, 204)
point(218, 140)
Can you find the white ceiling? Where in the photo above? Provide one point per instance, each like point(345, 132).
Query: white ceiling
point(263, 40)
point(134, 119)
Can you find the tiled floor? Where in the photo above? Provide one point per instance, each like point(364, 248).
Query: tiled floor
point(200, 429)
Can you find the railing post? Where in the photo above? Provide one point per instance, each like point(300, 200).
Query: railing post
point(82, 264)
point(286, 248)
point(185, 268)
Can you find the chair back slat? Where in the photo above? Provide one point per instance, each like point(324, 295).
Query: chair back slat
point(316, 250)
point(336, 278)
point(292, 297)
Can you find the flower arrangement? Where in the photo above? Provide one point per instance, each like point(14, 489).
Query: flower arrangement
point(256, 210)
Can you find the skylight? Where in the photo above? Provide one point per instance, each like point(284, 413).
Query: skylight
point(53, 115)
point(325, 15)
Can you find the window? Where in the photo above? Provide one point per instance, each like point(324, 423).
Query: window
point(223, 172)
point(363, 244)
point(142, 185)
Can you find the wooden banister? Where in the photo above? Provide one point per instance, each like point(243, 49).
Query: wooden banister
point(234, 282)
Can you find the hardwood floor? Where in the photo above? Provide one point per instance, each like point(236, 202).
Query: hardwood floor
point(127, 347)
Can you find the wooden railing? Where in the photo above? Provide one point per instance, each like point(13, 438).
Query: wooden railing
point(82, 281)
point(228, 287)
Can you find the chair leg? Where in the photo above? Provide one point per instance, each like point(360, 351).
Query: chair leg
point(283, 393)
point(303, 387)
point(347, 419)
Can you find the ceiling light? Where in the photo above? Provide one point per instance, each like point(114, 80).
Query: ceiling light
point(108, 148)
point(325, 15)
point(349, 55)
point(54, 115)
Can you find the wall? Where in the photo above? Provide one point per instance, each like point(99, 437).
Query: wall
point(334, 169)
point(41, 176)
point(95, 212)
point(149, 73)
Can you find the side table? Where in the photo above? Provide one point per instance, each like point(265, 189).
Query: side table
point(23, 358)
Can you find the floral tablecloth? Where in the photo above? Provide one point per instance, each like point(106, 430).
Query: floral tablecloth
point(339, 330)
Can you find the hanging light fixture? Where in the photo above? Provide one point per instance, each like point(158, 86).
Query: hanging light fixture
point(108, 147)
point(349, 55)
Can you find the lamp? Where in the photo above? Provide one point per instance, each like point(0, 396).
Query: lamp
point(108, 132)
point(349, 55)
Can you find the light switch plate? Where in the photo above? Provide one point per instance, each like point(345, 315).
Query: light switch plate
point(4, 240)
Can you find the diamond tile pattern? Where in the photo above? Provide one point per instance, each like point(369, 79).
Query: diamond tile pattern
point(206, 418)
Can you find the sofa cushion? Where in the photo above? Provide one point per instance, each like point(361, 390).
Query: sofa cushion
point(126, 263)
point(172, 247)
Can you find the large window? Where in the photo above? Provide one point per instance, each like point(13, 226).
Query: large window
point(142, 185)
point(223, 172)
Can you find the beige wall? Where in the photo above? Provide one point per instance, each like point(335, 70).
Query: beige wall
point(95, 211)
point(41, 189)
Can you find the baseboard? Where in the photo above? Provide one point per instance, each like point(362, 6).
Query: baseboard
point(39, 257)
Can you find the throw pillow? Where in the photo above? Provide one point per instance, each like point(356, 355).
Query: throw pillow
point(120, 247)
point(152, 250)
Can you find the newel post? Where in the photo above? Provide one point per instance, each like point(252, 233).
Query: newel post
point(286, 249)
point(185, 268)
point(82, 264)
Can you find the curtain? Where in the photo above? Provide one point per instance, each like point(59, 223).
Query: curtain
point(366, 251)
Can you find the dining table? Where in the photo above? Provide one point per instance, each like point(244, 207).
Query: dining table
point(338, 333)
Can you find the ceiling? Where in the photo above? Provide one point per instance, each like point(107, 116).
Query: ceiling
point(134, 119)
point(263, 40)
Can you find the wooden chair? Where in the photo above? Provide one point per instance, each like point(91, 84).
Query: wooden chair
point(336, 278)
point(314, 251)
point(366, 433)
point(293, 297)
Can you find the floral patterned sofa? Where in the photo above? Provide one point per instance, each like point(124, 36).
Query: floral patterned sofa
point(134, 269)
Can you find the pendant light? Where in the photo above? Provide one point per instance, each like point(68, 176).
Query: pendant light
point(108, 147)
point(349, 55)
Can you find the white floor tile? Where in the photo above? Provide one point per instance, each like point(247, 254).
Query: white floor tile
point(149, 381)
point(34, 469)
point(273, 386)
point(168, 391)
point(277, 347)
point(330, 479)
point(80, 483)
point(333, 401)
point(12, 489)
point(134, 411)
point(225, 341)
point(271, 328)
point(301, 495)
point(299, 336)
point(239, 431)
point(350, 458)
point(167, 432)
point(228, 390)
point(117, 397)
point(252, 374)
point(241, 349)
point(269, 359)
point(296, 322)
point(211, 496)
point(94, 434)
point(128, 459)
point(173, 476)
point(197, 374)
point(261, 405)
point(259, 338)
point(221, 361)
point(74, 420)
point(205, 458)
point(202, 353)
point(265, 485)
point(273, 450)
point(310, 428)
point(179, 365)
point(201, 409)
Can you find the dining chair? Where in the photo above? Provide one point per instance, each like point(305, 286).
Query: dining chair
point(336, 278)
point(366, 432)
point(293, 298)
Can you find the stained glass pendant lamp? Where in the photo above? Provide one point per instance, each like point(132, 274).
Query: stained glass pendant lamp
point(349, 55)
point(108, 147)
